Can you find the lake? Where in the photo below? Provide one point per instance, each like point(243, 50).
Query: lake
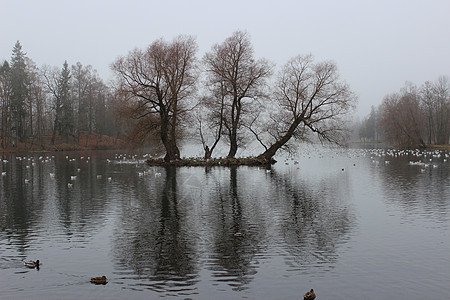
point(350, 223)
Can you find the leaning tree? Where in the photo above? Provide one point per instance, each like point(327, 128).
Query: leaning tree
point(308, 97)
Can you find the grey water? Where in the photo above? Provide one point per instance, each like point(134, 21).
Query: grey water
point(350, 223)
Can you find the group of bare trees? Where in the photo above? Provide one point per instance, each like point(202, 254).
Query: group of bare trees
point(414, 116)
point(231, 95)
point(51, 101)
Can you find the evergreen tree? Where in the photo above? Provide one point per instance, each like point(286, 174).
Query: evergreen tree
point(19, 89)
point(66, 123)
point(5, 93)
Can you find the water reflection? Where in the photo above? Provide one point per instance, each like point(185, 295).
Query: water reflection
point(316, 217)
point(19, 208)
point(417, 182)
point(237, 228)
point(189, 231)
point(37, 207)
point(225, 220)
point(155, 238)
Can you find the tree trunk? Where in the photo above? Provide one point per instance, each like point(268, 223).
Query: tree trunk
point(233, 149)
point(172, 151)
point(208, 153)
point(272, 150)
point(168, 140)
point(233, 144)
point(55, 125)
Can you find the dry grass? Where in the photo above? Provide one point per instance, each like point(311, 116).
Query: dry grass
point(86, 142)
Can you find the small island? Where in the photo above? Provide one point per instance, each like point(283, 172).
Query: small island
point(201, 162)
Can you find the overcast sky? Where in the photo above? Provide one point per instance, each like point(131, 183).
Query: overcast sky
point(378, 45)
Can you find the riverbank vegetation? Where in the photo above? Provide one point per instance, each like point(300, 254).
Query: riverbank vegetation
point(413, 117)
point(165, 94)
point(85, 141)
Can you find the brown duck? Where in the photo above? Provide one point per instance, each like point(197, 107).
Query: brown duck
point(309, 295)
point(99, 280)
point(32, 264)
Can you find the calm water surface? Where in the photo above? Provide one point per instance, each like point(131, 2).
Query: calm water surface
point(352, 224)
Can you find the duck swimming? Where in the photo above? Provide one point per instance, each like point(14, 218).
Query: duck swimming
point(32, 264)
point(309, 295)
point(99, 280)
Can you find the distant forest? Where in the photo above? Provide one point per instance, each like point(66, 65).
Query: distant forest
point(41, 105)
point(164, 94)
point(414, 116)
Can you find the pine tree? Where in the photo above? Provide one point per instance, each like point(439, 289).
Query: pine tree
point(5, 107)
point(66, 124)
point(19, 89)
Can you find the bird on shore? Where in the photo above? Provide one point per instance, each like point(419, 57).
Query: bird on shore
point(99, 280)
point(32, 264)
point(309, 295)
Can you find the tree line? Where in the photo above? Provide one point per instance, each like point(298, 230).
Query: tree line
point(166, 93)
point(413, 116)
point(50, 101)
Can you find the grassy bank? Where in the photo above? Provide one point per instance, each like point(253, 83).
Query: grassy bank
point(84, 142)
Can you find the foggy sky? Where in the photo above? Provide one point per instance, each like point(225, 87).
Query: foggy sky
point(377, 45)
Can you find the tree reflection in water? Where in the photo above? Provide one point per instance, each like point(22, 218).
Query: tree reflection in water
point(419, 189)
point(314, 219)
point(238, 229)
point(234, 231)
point(167, 233)
point(154, 239)
point(42, 205)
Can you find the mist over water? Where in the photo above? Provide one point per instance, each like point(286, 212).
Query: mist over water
point(352, 224)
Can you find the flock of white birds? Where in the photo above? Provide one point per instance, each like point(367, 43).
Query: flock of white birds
point(118, 158)
point(421, 158)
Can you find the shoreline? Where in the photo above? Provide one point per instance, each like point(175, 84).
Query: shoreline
point(200, 162)
point(86, 142)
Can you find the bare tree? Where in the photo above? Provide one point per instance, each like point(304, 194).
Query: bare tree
point(441, 89)
point(82, 80)
point(159, 80)
point(308, 98)
point(210, 118)
point(402, 119)
point(427, 97)
point(58, 86)
point(435, 98)
point(237, 80)
point(36, 101)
